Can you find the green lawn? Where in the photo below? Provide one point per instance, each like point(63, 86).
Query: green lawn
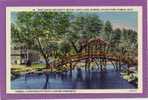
point(20, 69)
point(32, 66)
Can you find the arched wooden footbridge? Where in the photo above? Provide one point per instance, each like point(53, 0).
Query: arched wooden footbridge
point(109, 56)
point(95, 48)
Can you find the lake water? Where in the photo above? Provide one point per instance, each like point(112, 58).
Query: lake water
point(110, 79)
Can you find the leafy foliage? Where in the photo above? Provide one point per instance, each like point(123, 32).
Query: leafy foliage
point(58, 33)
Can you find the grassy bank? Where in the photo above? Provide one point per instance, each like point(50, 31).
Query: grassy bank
point(17, 70)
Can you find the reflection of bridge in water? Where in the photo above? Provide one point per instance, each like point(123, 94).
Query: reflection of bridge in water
point(79, 80)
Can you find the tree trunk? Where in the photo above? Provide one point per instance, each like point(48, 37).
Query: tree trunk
point(42, 52)
point(46, 60)
point(74, 46)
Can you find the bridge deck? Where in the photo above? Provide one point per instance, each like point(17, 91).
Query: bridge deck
point(94, 54)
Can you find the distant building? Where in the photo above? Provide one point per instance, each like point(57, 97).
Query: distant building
point(20, 55)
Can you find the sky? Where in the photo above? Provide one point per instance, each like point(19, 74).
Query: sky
point(121, 20)
point(128, 20)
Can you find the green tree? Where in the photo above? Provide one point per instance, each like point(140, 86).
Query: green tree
point(108, 30)
point(38, 28)
point(116, 38)
point(83, 26)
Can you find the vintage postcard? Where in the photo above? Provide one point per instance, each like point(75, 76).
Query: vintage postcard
point(73, 51)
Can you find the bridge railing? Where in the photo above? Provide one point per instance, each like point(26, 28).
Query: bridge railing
point(85, 55)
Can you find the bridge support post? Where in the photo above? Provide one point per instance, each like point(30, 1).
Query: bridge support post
point(101, 65)
point(70, 69)
point(113, 64)
point(105, 63)
point(88, 66)
point(96, 63)
point(128, 71)
point(119, 66)
point(85, 65)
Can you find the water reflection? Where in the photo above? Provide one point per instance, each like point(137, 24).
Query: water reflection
point(80, 79)
point(79, 74)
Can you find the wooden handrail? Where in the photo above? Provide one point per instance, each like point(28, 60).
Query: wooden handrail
point(85, 55)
